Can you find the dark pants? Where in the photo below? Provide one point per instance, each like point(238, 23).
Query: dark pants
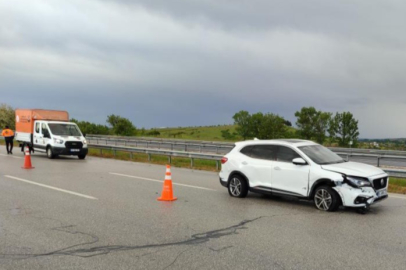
point(9, 144)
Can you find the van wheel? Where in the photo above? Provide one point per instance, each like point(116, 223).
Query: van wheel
point(81, 156)
point(237, 187)
point(326, 199)
point(50, 154)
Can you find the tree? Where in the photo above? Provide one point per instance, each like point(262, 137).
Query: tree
point(272, 126)
point(321, 126)
point(7, 116)
point(344, 128)
point(91, 128)
point(313, 124)
point(227, 135)
point(306, 119)
point(121, 126)
point(288, 123)
point(242, 120)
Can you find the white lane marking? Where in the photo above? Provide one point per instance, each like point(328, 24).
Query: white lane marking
point(10, 156)
point(50, 187)
point(160, 181)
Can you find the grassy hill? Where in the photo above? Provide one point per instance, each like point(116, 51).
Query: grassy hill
point(203, 133)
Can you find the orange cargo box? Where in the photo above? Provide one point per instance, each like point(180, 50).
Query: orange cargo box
point(25, 118)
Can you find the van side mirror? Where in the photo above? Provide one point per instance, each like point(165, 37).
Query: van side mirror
point(299, 161)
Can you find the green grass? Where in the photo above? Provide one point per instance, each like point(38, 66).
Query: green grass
point(397, 185)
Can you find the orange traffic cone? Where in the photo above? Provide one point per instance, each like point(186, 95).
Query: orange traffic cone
point(167, 192)
point(27, 160)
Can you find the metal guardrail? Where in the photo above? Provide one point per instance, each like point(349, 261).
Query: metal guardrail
point(193, 156)
point(168, 153)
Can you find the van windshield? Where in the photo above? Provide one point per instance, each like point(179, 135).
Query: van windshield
point(64, 130)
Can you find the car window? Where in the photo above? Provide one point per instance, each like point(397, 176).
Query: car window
point(286, 154)
point(45, 130)
point(247, 150)
point(264, 152)
point(37, 127)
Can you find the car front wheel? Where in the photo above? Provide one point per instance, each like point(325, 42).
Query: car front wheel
point(50, 153)
point(326, 199)
point(237, 187)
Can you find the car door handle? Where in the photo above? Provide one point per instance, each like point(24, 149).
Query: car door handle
point(244, 163)
point(277, 169)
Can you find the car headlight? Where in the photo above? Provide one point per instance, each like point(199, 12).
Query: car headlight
point(59, 141)
point(358, 182)
point(84, 142)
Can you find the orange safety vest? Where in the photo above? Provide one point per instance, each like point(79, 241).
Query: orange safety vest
point(7, 133)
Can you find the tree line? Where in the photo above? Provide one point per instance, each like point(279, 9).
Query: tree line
point(116, 125)
point(312, 124)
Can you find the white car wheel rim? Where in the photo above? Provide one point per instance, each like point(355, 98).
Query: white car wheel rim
point(323, 199)
point(235, 186)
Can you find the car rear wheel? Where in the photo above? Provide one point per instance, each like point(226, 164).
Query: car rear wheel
point(326, 199)
point(237, 187)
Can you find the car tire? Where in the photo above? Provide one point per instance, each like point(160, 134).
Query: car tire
point(81, 156)
point(326, 199)
point(237, 187)
point(50, 153)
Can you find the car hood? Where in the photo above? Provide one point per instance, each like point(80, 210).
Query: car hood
point(354, 169)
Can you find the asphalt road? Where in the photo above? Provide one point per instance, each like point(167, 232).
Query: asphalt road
point(103, 214)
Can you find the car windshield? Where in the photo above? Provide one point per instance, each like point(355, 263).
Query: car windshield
point(321, 155)
point(64, 130)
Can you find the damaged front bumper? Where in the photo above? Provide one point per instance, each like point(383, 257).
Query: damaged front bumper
point(360, 197)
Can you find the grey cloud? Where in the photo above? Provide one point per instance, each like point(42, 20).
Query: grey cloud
point(176, 63)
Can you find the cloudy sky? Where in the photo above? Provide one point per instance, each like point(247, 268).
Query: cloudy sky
point(197, 62)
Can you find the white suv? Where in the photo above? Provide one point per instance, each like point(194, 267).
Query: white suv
point(301, 169)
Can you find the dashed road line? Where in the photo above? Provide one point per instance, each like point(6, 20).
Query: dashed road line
point(160, 181)
point(50, 187)
point(10, 156)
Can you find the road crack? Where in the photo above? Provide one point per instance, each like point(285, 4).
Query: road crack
point(79, 250)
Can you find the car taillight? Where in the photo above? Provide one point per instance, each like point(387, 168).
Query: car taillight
point(224, 160)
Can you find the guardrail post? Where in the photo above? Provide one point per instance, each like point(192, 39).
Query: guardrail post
point(192, 162)
point(217, 165)
point(348, 157)
point(171, 146)
point(379, 158)
point(131, 155)
point(169, 159)
point(149, 157)
point(185, 147)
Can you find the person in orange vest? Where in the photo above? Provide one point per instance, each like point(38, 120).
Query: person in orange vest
point(8, 135)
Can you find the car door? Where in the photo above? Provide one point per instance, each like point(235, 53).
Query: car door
point(44, 137)
point(257, 165)
point(38, 137)
point(288, 178)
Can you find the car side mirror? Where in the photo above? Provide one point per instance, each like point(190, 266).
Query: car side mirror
point(299, 161)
